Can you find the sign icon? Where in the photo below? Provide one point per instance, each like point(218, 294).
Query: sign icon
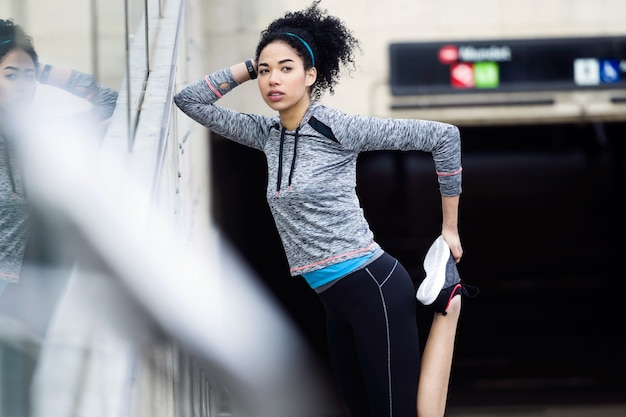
point(448, 54)
point(462, 75)
point(609, 71)
point(586, 71)
point(486, 74)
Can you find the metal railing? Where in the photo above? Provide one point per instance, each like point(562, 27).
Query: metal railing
point(154, 314)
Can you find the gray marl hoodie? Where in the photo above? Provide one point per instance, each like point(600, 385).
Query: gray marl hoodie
point(14, 212)
point(312, 170)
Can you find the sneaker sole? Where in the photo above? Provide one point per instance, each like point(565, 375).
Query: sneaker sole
point(435, 266)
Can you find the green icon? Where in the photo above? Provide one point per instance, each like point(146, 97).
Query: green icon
point(486, 75)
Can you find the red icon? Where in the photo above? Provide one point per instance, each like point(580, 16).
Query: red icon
point(448, 54)
point(462, 75)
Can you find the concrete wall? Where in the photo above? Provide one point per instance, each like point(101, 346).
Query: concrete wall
point(62, 32)
point(232, 30)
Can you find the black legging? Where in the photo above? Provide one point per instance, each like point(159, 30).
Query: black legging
point(373, 339)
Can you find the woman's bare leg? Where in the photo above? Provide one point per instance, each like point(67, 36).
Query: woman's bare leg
point(432, 391)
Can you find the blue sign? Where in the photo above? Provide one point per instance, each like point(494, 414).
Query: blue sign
point(609, 71)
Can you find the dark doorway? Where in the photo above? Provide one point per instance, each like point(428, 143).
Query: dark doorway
point(541, 211)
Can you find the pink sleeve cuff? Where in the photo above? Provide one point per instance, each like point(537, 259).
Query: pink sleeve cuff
point(206, 78)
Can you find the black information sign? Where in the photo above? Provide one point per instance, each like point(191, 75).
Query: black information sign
point(508, 65)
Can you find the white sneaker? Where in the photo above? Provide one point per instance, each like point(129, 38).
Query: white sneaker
point(435, 266)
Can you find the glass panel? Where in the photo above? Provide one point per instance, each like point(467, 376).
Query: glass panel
point(90, 37)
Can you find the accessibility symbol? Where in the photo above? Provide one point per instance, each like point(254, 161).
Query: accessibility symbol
point(609, 71)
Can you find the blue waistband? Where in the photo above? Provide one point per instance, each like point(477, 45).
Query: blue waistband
point(332, 272)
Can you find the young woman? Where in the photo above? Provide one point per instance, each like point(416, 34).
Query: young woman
point(311, 152)
point(20, 72)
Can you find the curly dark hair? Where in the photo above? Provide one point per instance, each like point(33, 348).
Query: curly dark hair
point(12, 37)
point(321, 40)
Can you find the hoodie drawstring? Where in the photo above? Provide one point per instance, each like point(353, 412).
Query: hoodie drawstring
point(280, 160)
point(293, 159)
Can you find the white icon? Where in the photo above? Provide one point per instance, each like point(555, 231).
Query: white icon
point(463, 74)
point(586, 71)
